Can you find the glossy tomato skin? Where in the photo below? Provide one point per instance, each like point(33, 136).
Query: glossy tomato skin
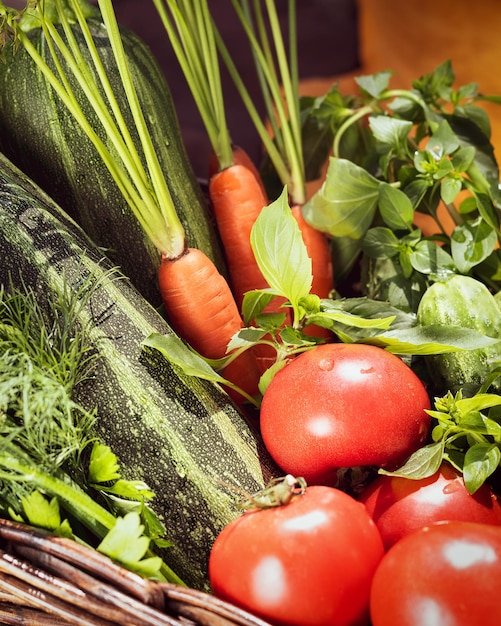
point(343, 405)
point(446, 574)
point(308, 563)
point(399, 505)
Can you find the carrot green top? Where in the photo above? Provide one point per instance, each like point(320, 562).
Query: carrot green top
point(279, 80)
point(191, 30)
point(143, 186)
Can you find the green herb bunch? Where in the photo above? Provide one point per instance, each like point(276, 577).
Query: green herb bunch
point(397, 154)
point(54, 472)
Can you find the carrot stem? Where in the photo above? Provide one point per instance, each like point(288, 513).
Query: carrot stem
point(145, 191)
point(189, 26)
point(279, 80)
point(267, 140)
point(161, 191)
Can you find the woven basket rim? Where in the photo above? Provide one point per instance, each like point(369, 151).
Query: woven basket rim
point(47, 579)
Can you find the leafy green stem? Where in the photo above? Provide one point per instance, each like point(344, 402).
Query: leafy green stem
point(288, 72)
point(17, 467)
point(163, 204)
point(349, 121)
point(92, 515)
point(262, 130)
point(98, 67)
point(367, 109)
point(403, 93)
point(453, 212)
point(45, 350)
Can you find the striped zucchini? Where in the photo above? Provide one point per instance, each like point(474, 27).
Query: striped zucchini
point(464, 302)
point(181, 435)
point(39, 135)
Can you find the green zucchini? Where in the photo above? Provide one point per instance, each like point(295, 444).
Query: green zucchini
point(40, 136)
point(464, 302)
point(181, 435)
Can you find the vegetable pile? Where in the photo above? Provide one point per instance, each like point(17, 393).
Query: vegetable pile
point(335, 359)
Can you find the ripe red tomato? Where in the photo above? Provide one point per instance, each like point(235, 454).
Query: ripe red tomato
point(306, 563)
point(343, 405)
point(446, 574)
point(400, 506)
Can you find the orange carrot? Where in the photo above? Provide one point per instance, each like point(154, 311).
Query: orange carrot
point(209, 318)
point(240, 157)
point(237, 198)
point(235, 189)
point(197, 299)
point(237, 195)
point(318, 249)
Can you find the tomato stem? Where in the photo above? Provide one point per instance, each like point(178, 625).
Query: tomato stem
point(278, 492)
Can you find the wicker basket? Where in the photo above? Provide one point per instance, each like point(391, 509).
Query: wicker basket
point(53, 581)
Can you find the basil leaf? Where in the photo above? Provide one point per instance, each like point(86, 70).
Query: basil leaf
point(449, 189)
point(280, 252)
point(177, 353)
point(395, 207)
point(380, 242)
point(429, 258)
point(471, 243)
point(480, 461)
point(374, 84)
point(346, 203)
point(423, 463)
point(478, 402)
point(433, 339)
point(389, 130)
point(443, 141)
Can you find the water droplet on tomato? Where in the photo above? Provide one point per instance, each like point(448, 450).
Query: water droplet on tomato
point(452, 487)
point(326, 364)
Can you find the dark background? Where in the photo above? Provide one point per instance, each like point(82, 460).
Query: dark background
point(327, 46)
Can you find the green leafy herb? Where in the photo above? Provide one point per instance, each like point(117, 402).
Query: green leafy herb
point(467, 434)
point(103, 464)
point(127, 544)
point(282, 258)
point(413, 150)
point(41, 512)
point(347, 201)
point(48, 478)
point(193, 364)
point(277, 243)
point(429, 340)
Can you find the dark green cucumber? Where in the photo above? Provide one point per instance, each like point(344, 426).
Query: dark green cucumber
point(464, 302)
point(181, 435)
point(39, 135)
